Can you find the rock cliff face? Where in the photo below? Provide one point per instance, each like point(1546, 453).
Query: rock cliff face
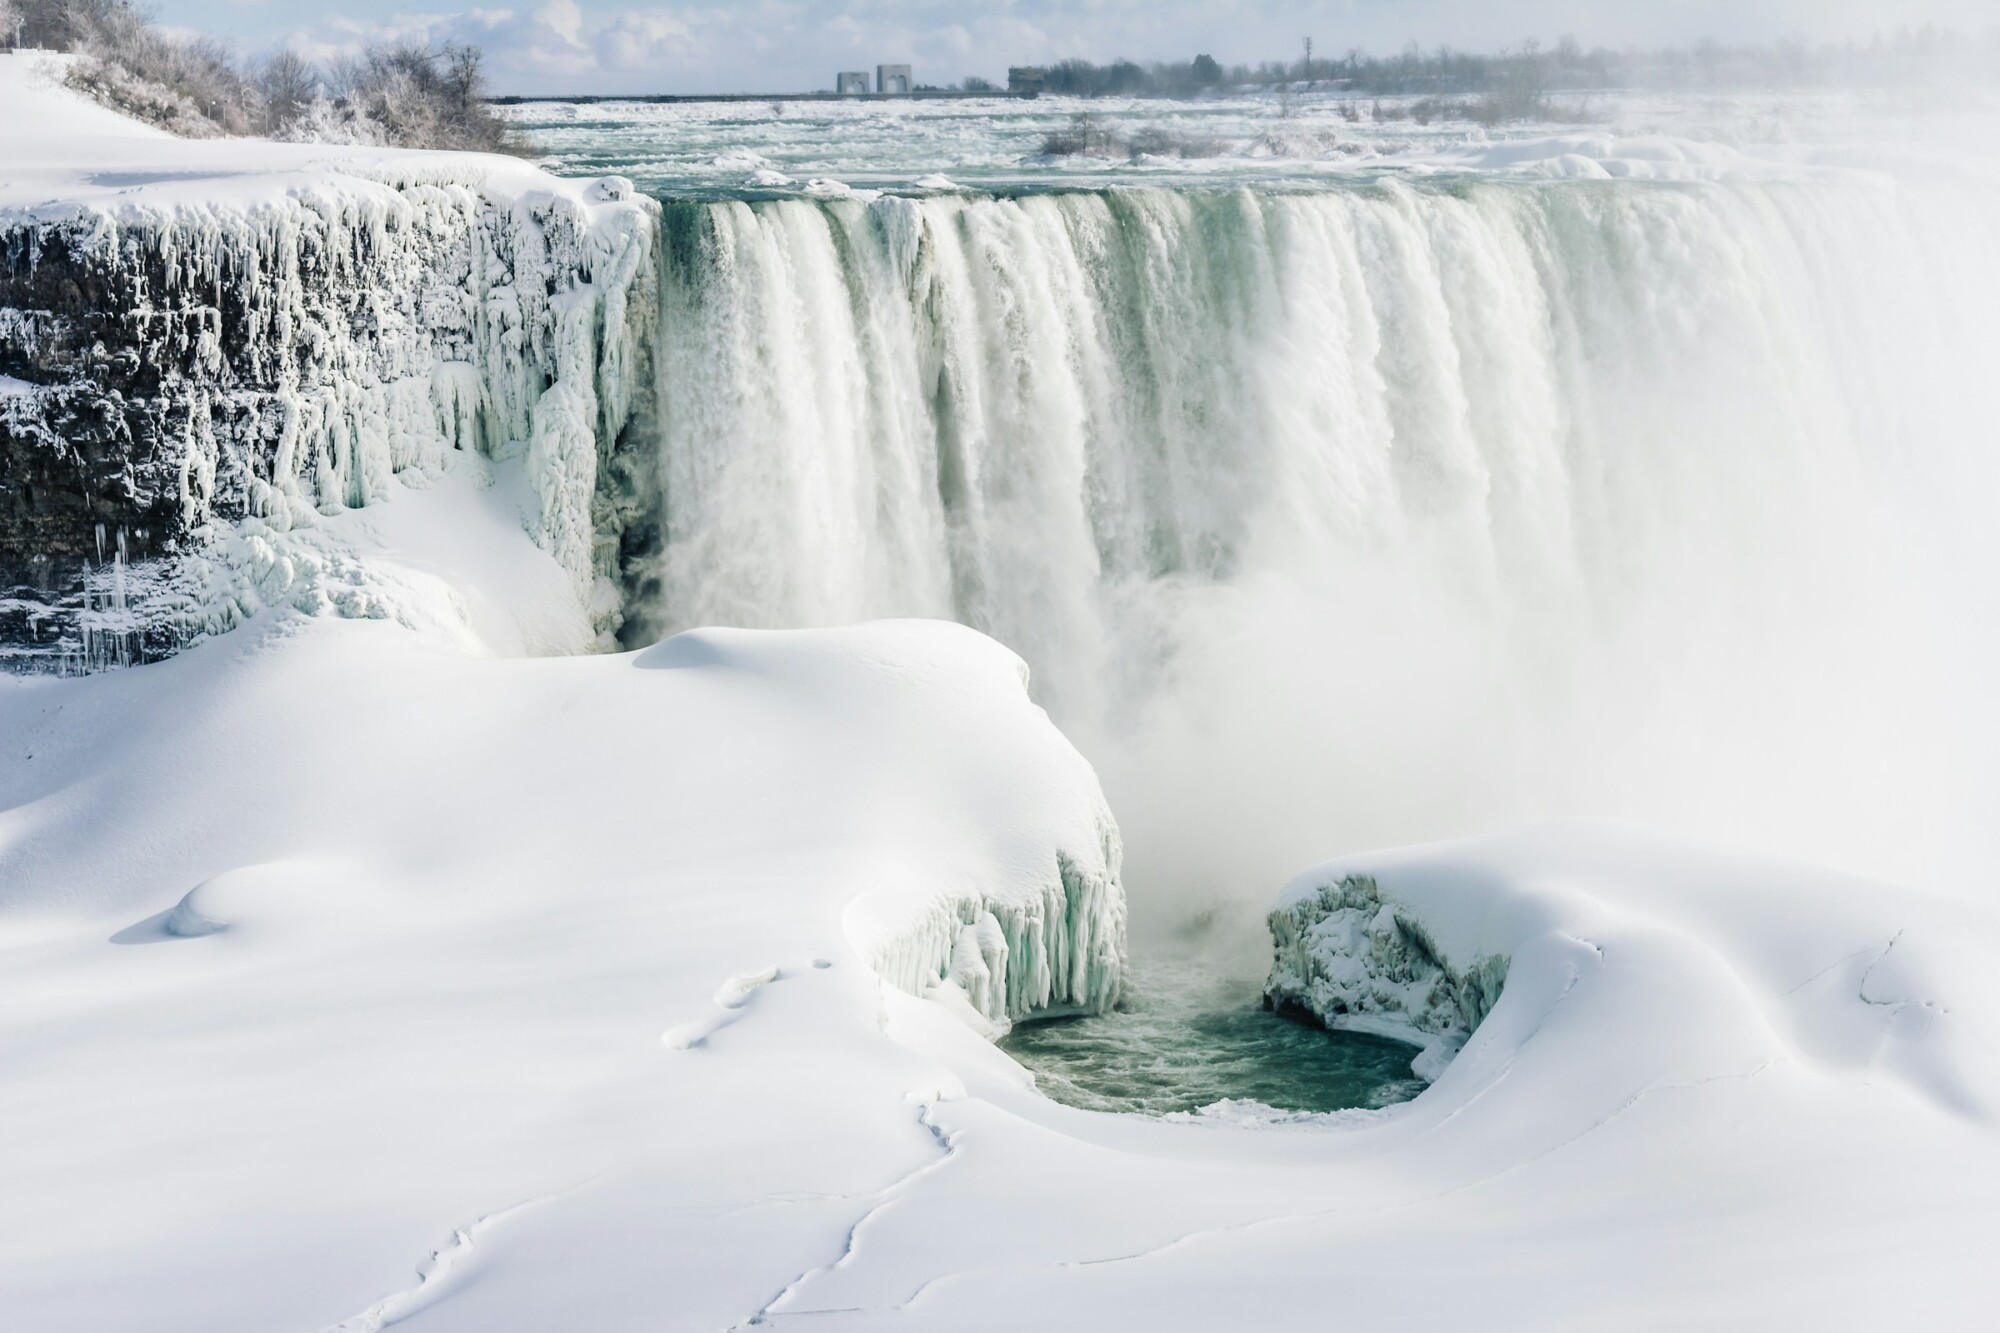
point(180, 376)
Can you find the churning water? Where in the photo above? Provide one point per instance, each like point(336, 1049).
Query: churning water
point(1187, 1035)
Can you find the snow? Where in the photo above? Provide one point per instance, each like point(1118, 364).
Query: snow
point(61, 152)
point(382, 939)
point(329, 949)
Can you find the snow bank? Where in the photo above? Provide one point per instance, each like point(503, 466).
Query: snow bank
point(1658, 953)
point(1713, 1091)
point(347, 941)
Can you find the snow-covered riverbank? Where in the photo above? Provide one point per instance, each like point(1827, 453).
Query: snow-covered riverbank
point(327, 948)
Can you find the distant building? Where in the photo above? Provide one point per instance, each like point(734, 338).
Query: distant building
point(850, 82)
point(892, 78)
point(1025, 80)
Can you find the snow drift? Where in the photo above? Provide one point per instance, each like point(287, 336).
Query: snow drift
point(293, 859)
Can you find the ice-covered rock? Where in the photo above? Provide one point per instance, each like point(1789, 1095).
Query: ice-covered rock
point(1349, 958)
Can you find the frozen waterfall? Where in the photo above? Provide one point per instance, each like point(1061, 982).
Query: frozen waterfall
point(1541, 495)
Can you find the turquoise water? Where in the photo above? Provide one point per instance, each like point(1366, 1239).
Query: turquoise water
point(1187, 1037)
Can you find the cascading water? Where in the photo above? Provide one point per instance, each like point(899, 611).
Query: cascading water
point(1380, 511)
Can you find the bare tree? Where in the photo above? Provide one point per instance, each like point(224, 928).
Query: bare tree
point(61, 25)
point(289, 84)
point(423, 96)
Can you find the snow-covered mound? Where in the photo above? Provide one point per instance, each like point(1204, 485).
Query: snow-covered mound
point(350, 978)
point(1659, 957)
point(322, 942)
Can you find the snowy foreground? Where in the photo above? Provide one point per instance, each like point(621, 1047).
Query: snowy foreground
point(351, 980)
point(352, 977)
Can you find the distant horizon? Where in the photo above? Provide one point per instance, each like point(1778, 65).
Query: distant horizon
point(1325, 69)
point(565, 47)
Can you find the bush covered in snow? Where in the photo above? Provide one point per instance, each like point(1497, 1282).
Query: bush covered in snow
point(405, 95)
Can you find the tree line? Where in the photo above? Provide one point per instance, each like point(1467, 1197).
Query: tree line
point(1524, 74)
point(397, 94)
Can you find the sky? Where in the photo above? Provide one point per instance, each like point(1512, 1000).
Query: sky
point(616, 46)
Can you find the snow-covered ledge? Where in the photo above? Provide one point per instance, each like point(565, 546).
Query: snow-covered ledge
point(1045, 934)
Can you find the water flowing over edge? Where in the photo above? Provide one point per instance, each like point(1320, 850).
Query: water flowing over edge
point(1530, 496)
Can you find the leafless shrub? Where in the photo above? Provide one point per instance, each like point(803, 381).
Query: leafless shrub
point(1084, 135)
point(408, 95)
point(422, 96)
point(176, 82)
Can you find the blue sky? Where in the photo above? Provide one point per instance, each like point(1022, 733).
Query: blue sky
point(786, 45)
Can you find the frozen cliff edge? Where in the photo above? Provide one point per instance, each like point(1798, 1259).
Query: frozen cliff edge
point(1036, 928)
point(1042, 943)
point(212, 346)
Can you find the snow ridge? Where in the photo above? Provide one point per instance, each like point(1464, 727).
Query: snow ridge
point(433, 1274)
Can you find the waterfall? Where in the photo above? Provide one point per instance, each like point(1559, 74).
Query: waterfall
point(1381, 510)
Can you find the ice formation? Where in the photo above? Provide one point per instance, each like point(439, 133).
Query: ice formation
point(1047, 946)
point(1349, 958)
